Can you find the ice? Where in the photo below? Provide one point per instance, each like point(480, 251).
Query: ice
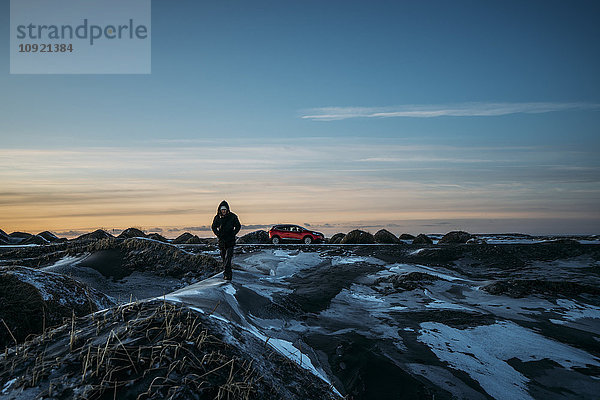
point(202, 295)
point(575, 311)
point(482, 352)
point(403, 268)
point(64, 261)
point(8, 384)
point(339, 260)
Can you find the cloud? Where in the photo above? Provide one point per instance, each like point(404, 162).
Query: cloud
point(203, 228)
point(442, 110)
point(256, 226)
point(70, 233)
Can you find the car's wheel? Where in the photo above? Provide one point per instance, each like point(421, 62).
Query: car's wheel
point(308, 240)
point(275, 240)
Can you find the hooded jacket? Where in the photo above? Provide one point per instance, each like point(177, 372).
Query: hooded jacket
point(225, 227)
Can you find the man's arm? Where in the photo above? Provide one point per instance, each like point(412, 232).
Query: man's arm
point(215, 226)
point(236, 226)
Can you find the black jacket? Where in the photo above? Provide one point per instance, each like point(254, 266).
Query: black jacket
point(227, 226)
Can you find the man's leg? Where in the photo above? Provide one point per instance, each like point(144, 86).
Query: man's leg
point(227, 262)
point(222, 249)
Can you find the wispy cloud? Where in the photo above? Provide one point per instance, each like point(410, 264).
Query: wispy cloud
point(442, 110)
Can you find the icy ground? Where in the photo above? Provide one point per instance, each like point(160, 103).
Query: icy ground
point(328, 312)
point(403, 322)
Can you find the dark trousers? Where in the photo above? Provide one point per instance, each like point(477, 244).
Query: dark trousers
point(226, 256)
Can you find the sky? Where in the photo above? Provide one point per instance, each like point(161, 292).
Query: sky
point(418, 117)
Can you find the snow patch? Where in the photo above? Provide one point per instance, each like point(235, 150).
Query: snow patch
point(574, 311)
point(8, 384)
point(482, 352)
point(402, 268)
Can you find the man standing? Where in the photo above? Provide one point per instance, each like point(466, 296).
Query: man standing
point(226, 225)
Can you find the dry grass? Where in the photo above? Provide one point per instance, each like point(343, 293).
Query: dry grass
point(159, 351)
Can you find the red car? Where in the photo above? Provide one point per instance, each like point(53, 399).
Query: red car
point(296, 233)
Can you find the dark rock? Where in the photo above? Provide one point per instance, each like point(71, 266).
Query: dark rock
point(18, 237)
point(454, 318)
point(406, 236)
point(518, 288)
point(358, 237)
point(33, 300)
point(337, 238)
point(410, 281)
point(49, 236)
point(385, 236)
point(455, 237)
point(256, 237)
point(194, 240)
point(117, 258)
point(183, 238)
point(34, 239)
point(96, 235)
point(158, 236)
point(4, 238)
point(131, 233)
point(422, 239)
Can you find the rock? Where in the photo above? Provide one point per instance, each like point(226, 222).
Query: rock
point(49, 236)
point(33, 300)
point(183, 238)
point(34, 239)
point(4, 238)
point(385, 236)
point(256, 237)
point(120, 258)
point(422, 239)
point(18, 237)
point(407, 282)
point(358, 237)
point(518, 288)
point(337, 238)
point(455, 237)
point(158, 236)
point(406, 236)
point(96, 235)
point(194, 240)
point(131, 232)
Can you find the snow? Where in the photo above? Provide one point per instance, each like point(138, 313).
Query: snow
point(415, 252)
point(482, 353)
point(281, 263)
point(574, 310)
point(8, 384)
point(230, 290)
point(227, 299)
point(66, 260)
point(38, 284)
point(20, 245)
point(403, 268)
point(340, 260)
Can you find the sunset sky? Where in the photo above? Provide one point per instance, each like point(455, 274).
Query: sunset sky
point(413, 116)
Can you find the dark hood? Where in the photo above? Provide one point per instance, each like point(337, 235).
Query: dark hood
point(221, 204)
